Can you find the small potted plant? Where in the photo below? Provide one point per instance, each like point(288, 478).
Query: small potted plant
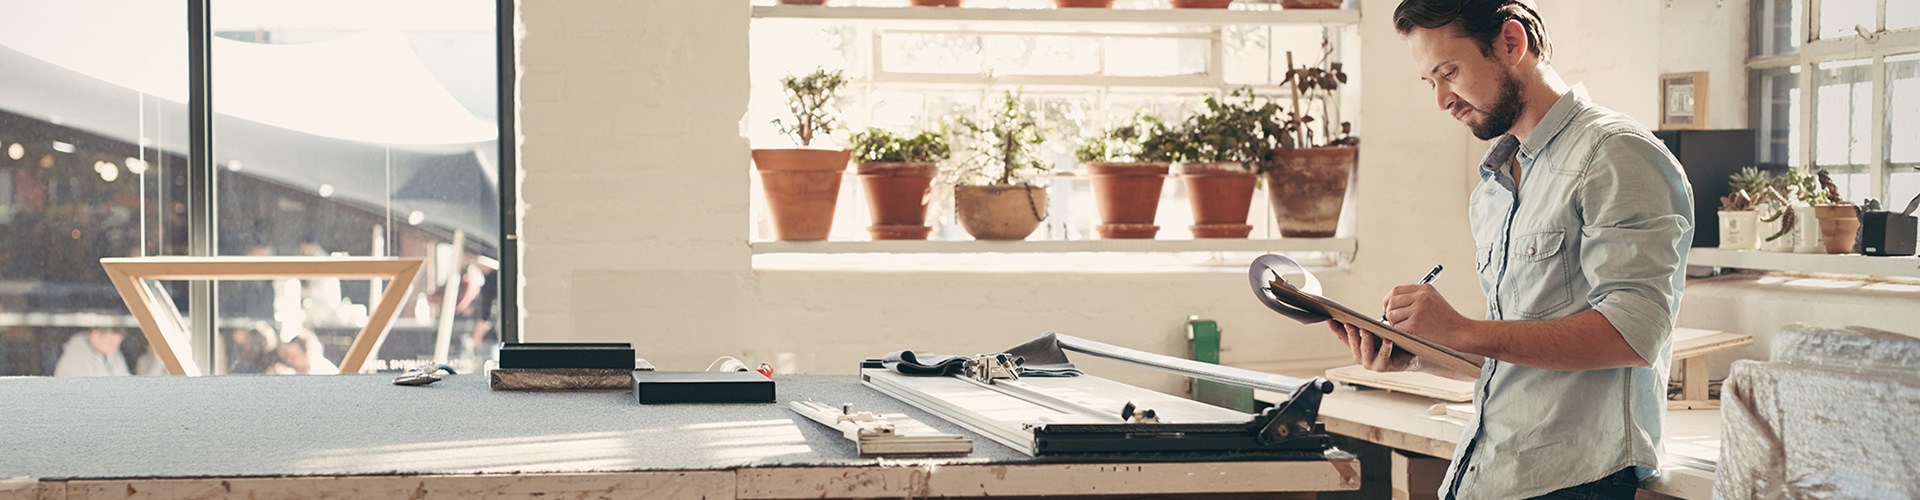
point(1308, 182)
point(1839, 222)
point(1220, 152)
point(1128, 165)
point(1779, 206)
point(897, 173)
point(996, 198)
point(1738, 221)
point(802, 184)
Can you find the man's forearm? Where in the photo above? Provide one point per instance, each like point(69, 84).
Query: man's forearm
point(1583, 341)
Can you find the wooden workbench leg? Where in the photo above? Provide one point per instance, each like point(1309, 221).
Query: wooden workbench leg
point(1693, 379)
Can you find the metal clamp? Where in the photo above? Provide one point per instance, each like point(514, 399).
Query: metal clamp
point(986, 368)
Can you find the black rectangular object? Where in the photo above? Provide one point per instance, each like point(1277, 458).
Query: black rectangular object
point(1710, 158)
point(618, 355)
point(702, 387)
point(1887, 234)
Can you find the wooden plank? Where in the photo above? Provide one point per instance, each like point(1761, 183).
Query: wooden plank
point(1691, 342)
point(929, 480)
point(694, 485)
point(1693, 382)
point(1422, 384)
point(1389, 438)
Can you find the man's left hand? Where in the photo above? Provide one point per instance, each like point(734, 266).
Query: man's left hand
point(1420, 310)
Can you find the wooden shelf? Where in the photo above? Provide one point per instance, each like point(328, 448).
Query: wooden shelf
point(1905, 267)
point(1200, 17)
point(1221, 245)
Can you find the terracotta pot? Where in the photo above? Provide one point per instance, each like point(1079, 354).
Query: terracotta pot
point(897, 195)
point(1310, 4)
point(1128, 196)
point(936, 3)
point(1000, 212)
point(801, 186)
point(1096, 4)
point(1201, 4)
point(803, 2)
point(1307, 187)
point(1221, 194)
point(1839, 225)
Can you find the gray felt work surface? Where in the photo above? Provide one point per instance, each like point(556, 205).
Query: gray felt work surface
point(241, 426)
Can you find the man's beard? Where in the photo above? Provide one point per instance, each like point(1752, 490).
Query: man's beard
point(1506, 109)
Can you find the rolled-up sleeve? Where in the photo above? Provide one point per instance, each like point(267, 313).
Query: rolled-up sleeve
point(1636, 213)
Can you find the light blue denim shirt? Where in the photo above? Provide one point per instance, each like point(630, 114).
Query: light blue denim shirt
point(1601, 219)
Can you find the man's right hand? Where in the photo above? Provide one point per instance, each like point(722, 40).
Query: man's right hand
point(1370, 350)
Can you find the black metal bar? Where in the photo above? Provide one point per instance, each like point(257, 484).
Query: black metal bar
point(202, 231)
point(509, 274)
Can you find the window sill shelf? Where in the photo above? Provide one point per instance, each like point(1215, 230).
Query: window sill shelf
point(948, 15)
point(1905, 267)
point(1342, 245)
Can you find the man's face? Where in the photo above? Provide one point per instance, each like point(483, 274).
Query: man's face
point(106, 340)
point(1473, 88)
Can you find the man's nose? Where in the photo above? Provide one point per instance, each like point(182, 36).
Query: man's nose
point(1445, 96)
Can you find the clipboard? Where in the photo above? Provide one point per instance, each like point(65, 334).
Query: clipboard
point(1304, 304)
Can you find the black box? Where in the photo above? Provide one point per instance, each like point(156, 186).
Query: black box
point(1887, 234)
point(1710, 158)
point(702, 387)
point(567, 355)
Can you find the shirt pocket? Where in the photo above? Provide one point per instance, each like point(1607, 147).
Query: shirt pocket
point(1541, 281)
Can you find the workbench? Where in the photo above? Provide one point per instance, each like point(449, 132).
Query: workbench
point(1405, 422)
point(360, 436)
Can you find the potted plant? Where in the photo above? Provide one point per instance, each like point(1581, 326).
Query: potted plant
point(1838, 221)
point(803, 183)
point(1308, 182)
point(1780, 207)
point(1738, 221)
point(897, 173)
point(996, 198)
point(1128, 165)
point(1219, 153)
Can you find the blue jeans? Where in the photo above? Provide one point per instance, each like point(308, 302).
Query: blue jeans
point(1619, 486)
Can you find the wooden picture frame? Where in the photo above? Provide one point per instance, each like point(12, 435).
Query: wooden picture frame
point(170, 338)
point(1684, 101)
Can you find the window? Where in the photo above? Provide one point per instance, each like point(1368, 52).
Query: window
point(357, 128)
point(917, 76)
point(1857, 73)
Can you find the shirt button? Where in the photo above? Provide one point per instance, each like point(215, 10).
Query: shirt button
point(1529, 250)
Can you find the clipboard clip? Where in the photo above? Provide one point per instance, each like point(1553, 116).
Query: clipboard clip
point(1266, 277)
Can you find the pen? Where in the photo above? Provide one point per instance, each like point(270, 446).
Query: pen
point(1431, 275)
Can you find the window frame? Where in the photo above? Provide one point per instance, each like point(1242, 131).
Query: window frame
point(1813, 50)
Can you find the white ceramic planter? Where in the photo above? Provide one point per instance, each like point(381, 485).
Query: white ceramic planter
point(1806, 232)
point(1738, 230)
point(1782, 244)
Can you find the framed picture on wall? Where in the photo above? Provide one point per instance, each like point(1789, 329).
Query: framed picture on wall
point(1683, 101)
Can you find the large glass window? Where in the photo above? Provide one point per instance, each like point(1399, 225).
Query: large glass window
point(355, 128)
point(1844, 18)
point(92, 164)
point(1903, 128)
point(1777, 94)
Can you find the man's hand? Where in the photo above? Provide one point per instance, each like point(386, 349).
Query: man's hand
point(1420, 310)
point(1371, 351)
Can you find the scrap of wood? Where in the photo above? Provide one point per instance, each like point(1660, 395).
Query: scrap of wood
point(1421, 384)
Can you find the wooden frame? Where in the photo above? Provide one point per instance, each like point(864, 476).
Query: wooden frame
point(1684, 101)
point(167, 338)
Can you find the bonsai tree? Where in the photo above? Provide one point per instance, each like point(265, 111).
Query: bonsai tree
point(1143, 138)
point(1004, 145)
point(808, 97)
point(1240, 129)
point(1319, 83)
point(879, 145)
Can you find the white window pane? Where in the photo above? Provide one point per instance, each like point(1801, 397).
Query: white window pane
point(1130, 56)
point(931, 53)
point(1841, 112)
point(1903, 127)
point(1779, 94)
point(1042, 55)
point(1902, 14)
point(1777, 24)
point(1838, 18)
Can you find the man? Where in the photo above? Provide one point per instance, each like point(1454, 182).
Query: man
point(1582, 222)
point(95, 353)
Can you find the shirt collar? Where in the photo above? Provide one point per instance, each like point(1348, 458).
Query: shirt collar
point(1555, 121)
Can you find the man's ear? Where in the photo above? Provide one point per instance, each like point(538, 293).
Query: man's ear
point(1511, 46)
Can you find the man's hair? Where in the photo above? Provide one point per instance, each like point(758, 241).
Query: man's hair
point(1479, 20)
